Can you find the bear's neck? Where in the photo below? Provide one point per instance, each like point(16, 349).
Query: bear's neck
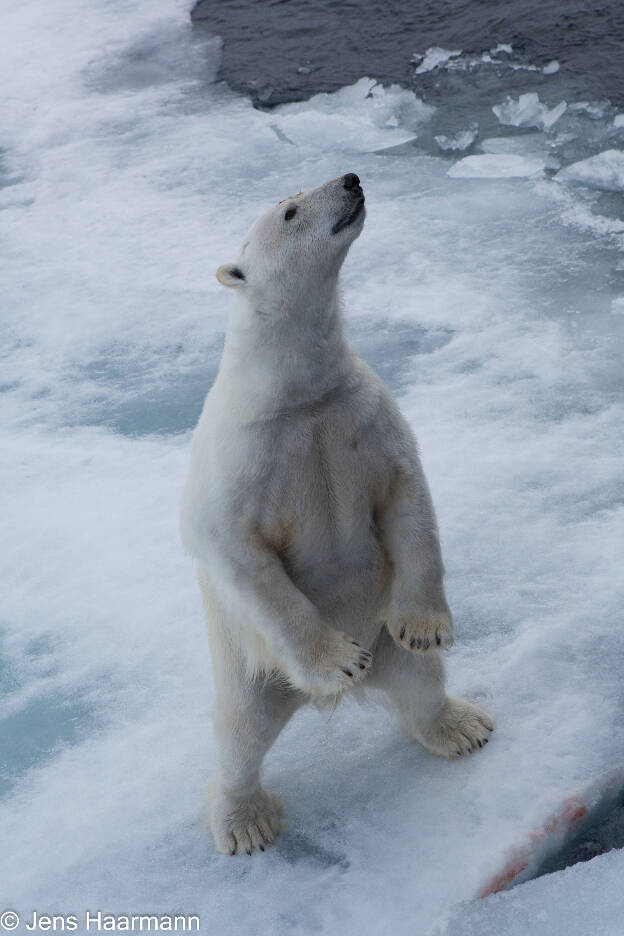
point(283, 358)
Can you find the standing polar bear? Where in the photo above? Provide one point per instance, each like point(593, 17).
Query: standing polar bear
point(308, 512)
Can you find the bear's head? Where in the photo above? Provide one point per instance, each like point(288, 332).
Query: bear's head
point(296, 249)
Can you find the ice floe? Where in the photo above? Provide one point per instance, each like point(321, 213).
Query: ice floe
point(603, 171)
point(496, 166)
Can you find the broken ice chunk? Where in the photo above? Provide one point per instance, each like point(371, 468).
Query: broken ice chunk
point(460, 140)
point(552, 68)
point(528, 111)
point(433, 57)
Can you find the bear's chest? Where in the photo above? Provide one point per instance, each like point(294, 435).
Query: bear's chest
point(323, 478)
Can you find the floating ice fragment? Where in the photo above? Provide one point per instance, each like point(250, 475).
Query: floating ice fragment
point(532, 145)
point(496, 166)
point(433, 57)
point(528, 111)
point(552, 68)
point(603, 171)
point(364, 116)
point(460, 140)
point(594, 109)
point(618, 120)
point(501, 47)
point(527, 144)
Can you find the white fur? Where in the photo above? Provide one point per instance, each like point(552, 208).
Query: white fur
point(308, 512)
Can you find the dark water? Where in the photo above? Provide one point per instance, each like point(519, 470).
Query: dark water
point(602, 831)
point(286, 50)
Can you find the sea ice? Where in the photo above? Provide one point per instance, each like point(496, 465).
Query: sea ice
point(596, 110)
point(527, 111)
point(584, 900)
point(603, 171)
point(501, 47)
point(551, 68)
point(363, 116)
point(525, 144)
point(496, 166)
point(460, 140)
point(434, 57)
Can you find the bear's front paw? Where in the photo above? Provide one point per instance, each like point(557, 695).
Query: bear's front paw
point(338, 663)
point(421, 630)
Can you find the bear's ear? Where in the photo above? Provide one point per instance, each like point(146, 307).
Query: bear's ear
point(230, 275)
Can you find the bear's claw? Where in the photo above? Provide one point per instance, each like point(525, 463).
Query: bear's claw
point(422, 630)
point(342, 663)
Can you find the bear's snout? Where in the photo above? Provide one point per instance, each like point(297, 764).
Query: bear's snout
point(354, 207)
point(351, 181)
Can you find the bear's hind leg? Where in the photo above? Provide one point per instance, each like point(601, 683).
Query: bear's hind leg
point(414, 688)
point(249, 715)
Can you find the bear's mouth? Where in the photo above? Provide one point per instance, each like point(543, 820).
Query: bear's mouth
point(349, 218)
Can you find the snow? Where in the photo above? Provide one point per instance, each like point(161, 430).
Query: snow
point(586, 898)
point(528, 111)
point(603, 171)
point(496, 166)
point(489, 308)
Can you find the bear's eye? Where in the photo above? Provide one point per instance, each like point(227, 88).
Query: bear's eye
point(290, 214)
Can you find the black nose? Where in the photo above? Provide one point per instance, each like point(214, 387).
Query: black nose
point(351, 181)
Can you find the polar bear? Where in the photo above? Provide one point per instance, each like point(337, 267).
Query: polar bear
point(308, 513)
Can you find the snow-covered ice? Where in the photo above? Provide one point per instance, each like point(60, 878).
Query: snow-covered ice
point(584, 900)
point(603, 171)
point(488, 307)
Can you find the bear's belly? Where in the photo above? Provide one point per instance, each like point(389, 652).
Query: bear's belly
point(347, 579)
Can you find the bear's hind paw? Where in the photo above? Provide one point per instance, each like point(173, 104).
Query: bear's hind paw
point(460, 729)
point(244, 824)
